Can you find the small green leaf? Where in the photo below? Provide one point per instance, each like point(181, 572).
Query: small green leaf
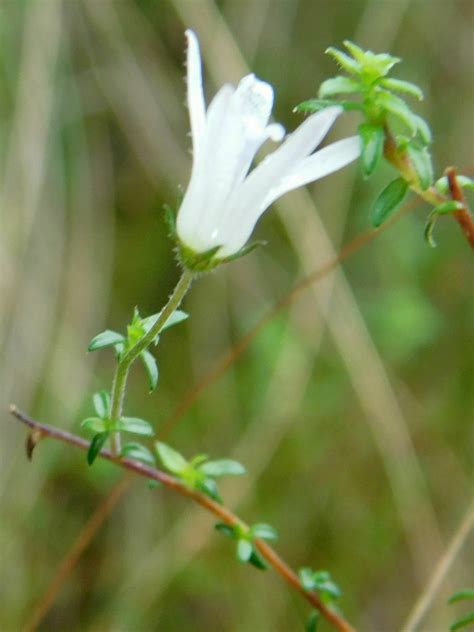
point(107, 338)
point(176, 317)
point(463, 621)
point(208, 486)
point(263, 531)
point(312, 622)
point(96, 446)
point(173, 461)
point(388, 201)
point(423, 129)
point(96, 424)
point(198, 459)
point(461, 595)
point(134, 425)
point(373, 65)
point(373, 139)
point(137, 452)
point(223, 467)
point(257, 560)
point(338, 85)
point(442, 185)
point(448, 207)
point(306, 578)
point(101, 401)
point(151, 368)
point(316, 105)
point(403, 86)
point(152, 484)
point(225, 529)
point(347, 63)
point(245, 250)
point(244, 550)
point(421, 160)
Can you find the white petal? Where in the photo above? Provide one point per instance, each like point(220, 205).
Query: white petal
point(196, 104)
point(322, 163)
point(231, 145)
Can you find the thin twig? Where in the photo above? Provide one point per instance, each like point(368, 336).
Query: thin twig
point(441, 570)
point(224, 514)
point(463, 216)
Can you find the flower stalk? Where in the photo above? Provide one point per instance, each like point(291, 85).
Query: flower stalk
point(125, 362)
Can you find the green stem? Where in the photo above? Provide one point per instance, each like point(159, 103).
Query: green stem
point(121, 374)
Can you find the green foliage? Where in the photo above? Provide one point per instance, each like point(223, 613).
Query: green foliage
point(320, 582)
point(133, 425)
point(96, 446)
point(137, 452)
point(245, 537)
point(198, 473)
point(312, 622)
point(443, 209)
point(388, 201)
point(442, 185)
point(372, 140)
point(467, 619)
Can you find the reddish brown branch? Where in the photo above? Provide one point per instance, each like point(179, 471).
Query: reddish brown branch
point(215, 508)
point(463, 216)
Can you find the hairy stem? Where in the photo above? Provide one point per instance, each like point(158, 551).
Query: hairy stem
point(226, 515)
point(121, 374)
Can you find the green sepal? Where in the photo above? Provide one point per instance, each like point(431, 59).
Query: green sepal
point(245, 250)
point(172, 460)
point(134, 425)
point(96, 446)
point(96, 424)
point(316, 105)
point(198, 261)
point(421, 160)
point(101, 401)
point(263, 531)
point(312, 622)
point(462, 622)
point(372, 139)
point(403, 86)
point(107, 338)
point(338, 85)
point(151, 369)
point(443, 209)
point(222, 467)
point(137, 452)
point(388, 201)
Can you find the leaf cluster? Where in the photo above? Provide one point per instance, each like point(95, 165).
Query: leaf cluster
point(136, 330)
point(198, 473)
point(245, 537)
point(369, 90)
point(102, 425)
point(321, 583)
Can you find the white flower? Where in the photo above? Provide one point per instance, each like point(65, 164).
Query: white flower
point(223, 201)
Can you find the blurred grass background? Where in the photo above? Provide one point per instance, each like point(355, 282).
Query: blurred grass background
point(352, 410)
